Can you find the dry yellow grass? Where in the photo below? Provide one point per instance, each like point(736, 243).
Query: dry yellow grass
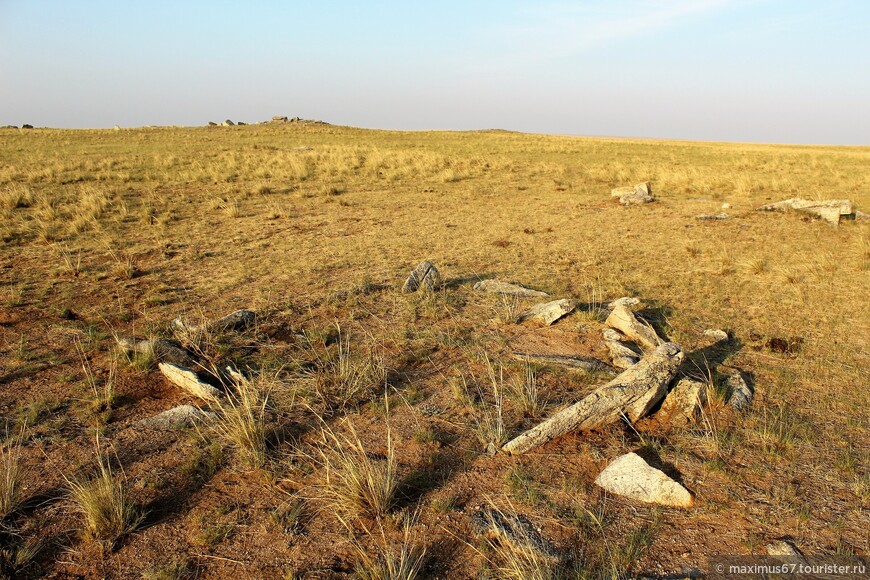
point(123, 231)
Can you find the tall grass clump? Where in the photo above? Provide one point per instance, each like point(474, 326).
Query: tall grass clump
point(241, 420)
point(10, 475)
point(109, 512)
point(357, 484)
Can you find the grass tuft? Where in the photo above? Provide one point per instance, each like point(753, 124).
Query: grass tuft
point(357, 484)
point(103, 501)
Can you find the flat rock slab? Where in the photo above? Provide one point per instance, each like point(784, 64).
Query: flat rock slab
point(499, 287)
point(425, 276)
point(547, 313)
point(188, 380)
point(632, 477)
point(713, 217)
point(175, 418)
point(634, 194)
point(829, 210)
point(683, 403)
point(588, 364)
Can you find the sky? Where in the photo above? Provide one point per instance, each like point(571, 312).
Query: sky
point(780, 71)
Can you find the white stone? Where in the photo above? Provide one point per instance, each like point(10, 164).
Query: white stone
point(630, 476)
point(175, 418)
point(188, 380)
point(547, 313)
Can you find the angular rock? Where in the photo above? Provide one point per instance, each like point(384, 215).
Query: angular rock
point(631, 476)
point(624, 320)
point(716, 334)
point(212, 124)
point(628, 301)
point(279, 119)
point(783, 549)
point(27, 126)
point(189, 381)
point(163, 350)
point(631, 394)
point(634, 194)
point(498, 287)
point(683, 403)
point(718, 216)
point(493, 523)
point(228, 123)
point(860, 216)
point(829, 210)
point(425, 276)
point(622, 354)
point(236, 320)
point(547, 313)
point(739, 392)
point(587, 364)
point(175, 418)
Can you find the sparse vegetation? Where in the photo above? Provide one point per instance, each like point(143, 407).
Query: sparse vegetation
point(104, 502)
point(315, 228)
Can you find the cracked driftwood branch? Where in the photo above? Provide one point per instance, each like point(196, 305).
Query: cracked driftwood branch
point(632, 393)
point(624, 320)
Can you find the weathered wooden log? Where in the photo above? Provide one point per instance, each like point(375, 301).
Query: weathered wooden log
point(499, 287)
point(188, 380)
point(548, 313)
point(624, 320)
point(632, 394)
point(583, 363)
point(163, 350)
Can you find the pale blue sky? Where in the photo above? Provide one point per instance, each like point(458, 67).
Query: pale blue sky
point(793, 71)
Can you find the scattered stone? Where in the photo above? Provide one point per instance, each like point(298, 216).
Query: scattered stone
point(212, 124)
point(10, 126)
point(26, 126)
point(279, 119)
point(116, 128)
point(228, 123)
point(302, 148)
point(684, 402)
point(547, 313)
point(634, 194)
point(175, 418)
point(425, 276)
point(163, 350)
point(829, 210)
point(241, 123)
point(188, 380)
point(628, 301)
point(860, 216)
point(630, 476)
point(718, 216)
point(726, 206)
point(587, 364)
point(716, 334)
point(624, 320)
point(236, 320)
point(739, 393)
point(622, 354)
point(492, 523)
point(498, 287)
point(783, 549)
